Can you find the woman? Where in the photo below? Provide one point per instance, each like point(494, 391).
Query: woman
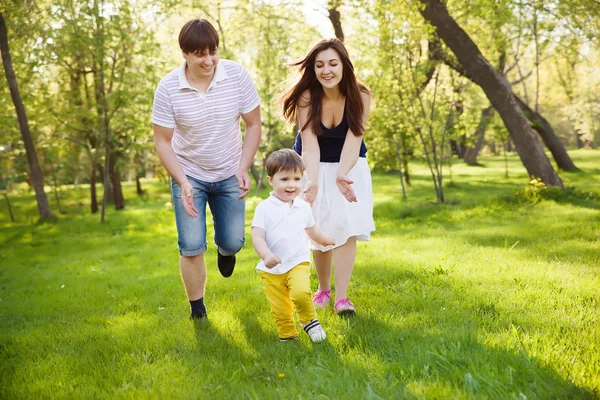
point(331, 108)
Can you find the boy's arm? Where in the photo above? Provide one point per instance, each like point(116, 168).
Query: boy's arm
point(316, 234)
point(260, 245)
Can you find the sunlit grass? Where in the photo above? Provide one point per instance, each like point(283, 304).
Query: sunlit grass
point(486, 296)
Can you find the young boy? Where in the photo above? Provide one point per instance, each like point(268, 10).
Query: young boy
point(279, 230)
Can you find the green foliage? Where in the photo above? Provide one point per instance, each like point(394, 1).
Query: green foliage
point(533, 192)
point(59, 47)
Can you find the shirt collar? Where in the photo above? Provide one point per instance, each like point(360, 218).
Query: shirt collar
point(220, 75)
point(275, 200)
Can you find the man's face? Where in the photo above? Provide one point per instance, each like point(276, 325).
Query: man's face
point(202, 64)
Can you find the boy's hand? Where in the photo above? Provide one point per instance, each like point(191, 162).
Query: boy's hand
point(328, 240)
point(271, 260)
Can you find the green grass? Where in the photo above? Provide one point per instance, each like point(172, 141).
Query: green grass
point(487, 296)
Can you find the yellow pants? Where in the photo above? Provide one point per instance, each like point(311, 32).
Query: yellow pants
point(285, 289)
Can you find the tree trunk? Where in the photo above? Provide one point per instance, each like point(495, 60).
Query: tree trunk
point(261, 177)
point(93, 195)
point(115, 180)
point(254, 173)
point(140, 172)
point(543, 127)
point(55, 185)
point(472, 152)
point(399, 159)
point(37, 179)
point(138, 186)
point(10, 212)
point(496, 88)
point(559, 153)
point(580, 143)
point(334, 17)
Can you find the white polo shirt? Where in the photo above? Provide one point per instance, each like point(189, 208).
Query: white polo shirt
point(284, 228)
point(207, 137)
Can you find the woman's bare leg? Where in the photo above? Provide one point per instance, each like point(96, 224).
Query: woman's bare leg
point(343, 260)
point(323, 267)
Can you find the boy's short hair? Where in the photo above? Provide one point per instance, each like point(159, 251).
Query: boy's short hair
point(284, 160)
point(197, 36)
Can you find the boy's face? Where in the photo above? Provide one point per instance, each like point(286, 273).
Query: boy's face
point(286, 185)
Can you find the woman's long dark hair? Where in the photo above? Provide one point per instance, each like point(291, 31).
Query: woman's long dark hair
point(350, 88)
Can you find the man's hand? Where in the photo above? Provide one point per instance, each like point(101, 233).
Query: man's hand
point(310, 192)
point(243, 182)
point(187, 196)
point(271, 260)
point(344, 185)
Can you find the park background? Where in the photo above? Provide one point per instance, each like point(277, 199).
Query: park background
point(481, 280)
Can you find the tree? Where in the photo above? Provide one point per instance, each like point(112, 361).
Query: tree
point(37, 179)
point(108, 66)
point(471, 152)
point(497, 89)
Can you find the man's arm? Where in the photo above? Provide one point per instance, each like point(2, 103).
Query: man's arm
point(259, 242)
point(249, 148)
point(162, 143)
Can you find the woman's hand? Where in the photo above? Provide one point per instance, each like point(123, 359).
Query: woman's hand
point(310, 192)
point(344, 185)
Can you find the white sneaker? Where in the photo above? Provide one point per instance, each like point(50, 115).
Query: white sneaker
point(315, 331)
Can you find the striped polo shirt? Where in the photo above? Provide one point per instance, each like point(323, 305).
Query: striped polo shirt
point(207, 136)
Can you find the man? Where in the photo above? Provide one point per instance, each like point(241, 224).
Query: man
point(197, 135)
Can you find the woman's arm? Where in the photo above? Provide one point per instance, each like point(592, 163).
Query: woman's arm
point(310, 150)
point(349, 155)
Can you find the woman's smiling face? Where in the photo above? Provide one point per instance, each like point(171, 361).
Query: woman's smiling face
point(328, 68)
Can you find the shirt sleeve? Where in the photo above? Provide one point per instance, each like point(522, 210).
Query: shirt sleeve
point(162, 109)
point(259, 217)
point(250, 98)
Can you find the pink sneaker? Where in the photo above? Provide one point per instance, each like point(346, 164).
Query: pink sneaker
point(322, 298)
point(344, 307)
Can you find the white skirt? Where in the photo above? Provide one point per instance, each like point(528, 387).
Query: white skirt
point(334, 214)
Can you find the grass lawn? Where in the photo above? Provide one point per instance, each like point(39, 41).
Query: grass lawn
point(487, 296)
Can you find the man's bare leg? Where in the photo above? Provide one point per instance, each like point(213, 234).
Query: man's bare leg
point(193, 274)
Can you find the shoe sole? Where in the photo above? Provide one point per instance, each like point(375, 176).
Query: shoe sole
point(345, 313)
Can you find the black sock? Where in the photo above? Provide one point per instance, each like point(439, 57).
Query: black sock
point(198, 308)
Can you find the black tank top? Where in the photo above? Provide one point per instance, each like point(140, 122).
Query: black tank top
point(331, 142)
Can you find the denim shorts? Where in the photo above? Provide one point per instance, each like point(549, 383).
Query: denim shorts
point(229, 217)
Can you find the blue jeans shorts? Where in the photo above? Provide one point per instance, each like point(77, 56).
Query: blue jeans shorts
point(229, 216)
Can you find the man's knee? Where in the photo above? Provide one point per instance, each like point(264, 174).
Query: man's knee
point(231, 246)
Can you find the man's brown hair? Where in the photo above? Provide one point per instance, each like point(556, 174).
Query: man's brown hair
point(197, 36)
